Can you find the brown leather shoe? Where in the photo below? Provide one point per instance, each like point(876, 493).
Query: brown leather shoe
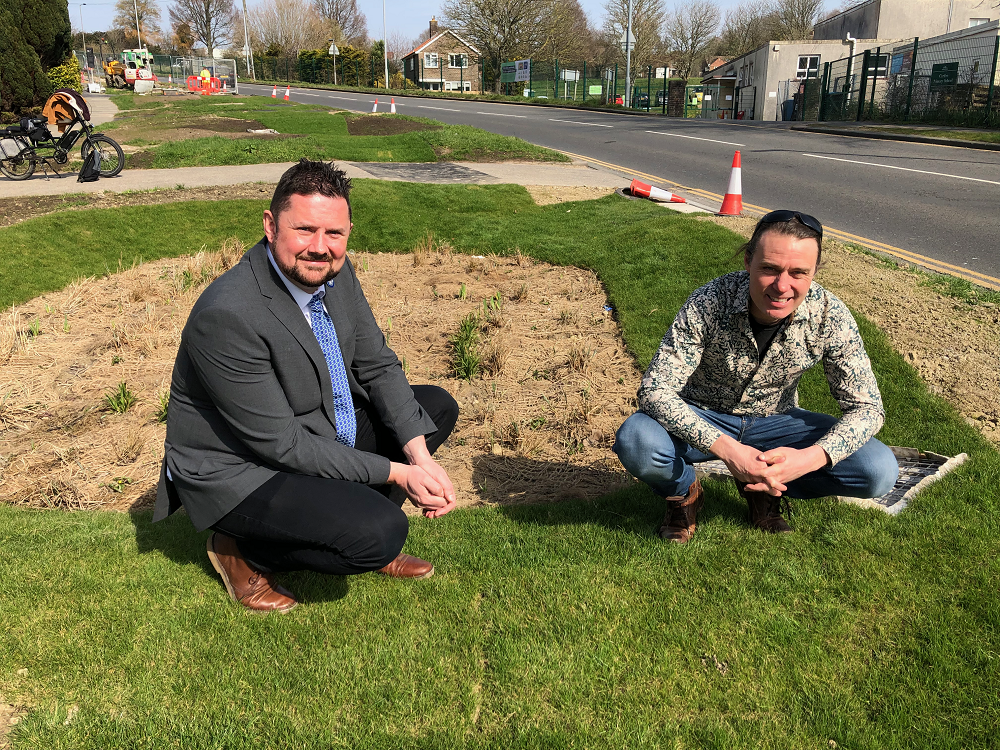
point(679, 522)
point(245, 584)
point(765, 511)
point(407, 566)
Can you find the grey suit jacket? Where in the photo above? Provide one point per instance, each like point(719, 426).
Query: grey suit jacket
point(251, 393)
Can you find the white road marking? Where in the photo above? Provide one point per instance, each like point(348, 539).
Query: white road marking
point(693, 138)
point(345, 98)
point(497, 114)
point(443, 109)
point(574, 122)
point(903, 169)
point(306, 93)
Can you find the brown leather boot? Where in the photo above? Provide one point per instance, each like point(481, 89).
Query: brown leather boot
point(407, 566)
point(765, 512)
point(679, 522)
point(246, 585)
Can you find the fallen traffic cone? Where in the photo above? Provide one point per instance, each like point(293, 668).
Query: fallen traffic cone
point(732, 204)
point(274, 92)
point(288, 93)
point(392, 106)
point(375, 107)
point(653, 193)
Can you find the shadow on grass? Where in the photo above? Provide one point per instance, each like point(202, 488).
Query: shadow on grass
point(175, 538)
point(547, 493)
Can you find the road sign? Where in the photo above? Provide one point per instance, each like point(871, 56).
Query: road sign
point(630, 39)
point(569, 75)
point(333, 50)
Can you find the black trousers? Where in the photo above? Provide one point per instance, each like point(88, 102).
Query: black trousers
point(298, 522)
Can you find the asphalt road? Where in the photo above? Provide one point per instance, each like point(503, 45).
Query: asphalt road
point(935, 205)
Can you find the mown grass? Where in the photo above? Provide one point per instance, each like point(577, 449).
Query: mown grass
point(566, 625)
point(985, 136)
point(323, 132)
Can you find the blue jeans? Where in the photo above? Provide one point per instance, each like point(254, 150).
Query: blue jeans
point(665, 462)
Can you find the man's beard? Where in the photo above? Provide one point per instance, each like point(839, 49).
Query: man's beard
point(293, 273)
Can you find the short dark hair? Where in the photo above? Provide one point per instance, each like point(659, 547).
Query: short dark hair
point(791, 228)
point(309, 178)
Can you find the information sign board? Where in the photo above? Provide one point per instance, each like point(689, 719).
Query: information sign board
point(944, 74)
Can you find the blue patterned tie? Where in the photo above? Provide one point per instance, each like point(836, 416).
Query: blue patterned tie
point(343, 404)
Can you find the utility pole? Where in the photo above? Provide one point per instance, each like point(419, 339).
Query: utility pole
point(385, 48)
point(247, 51)
point(628, 56)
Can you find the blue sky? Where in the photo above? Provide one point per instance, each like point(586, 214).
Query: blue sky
point(405, 16)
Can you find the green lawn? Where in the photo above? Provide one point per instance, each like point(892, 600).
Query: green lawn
point(987, 136)
point(566, 625)
point(324, 135)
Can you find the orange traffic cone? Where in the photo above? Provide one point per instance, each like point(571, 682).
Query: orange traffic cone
point(732, 204)
point(392, 106)
point(274, 92)
point(170, 79)
point(375, 106)
point(288, 93)
point(654, 193)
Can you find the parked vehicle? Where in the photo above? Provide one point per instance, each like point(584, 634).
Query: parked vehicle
point(24, 146)
point(130, 66)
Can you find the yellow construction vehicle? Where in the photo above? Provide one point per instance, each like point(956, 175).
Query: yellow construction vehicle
point(131, 65)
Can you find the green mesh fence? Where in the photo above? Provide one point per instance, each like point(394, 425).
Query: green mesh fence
point(950, 82)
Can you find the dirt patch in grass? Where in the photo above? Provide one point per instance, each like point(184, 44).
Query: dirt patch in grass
point(16, 210)
point(9, 717)
point(188, 128)
point(954, 345)
point(377, 124)
point(536, 424)
point(545, 195)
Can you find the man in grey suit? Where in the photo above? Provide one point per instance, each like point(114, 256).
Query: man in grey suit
point(290, 417)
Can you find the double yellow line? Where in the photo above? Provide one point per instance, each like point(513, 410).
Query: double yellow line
point(940, 266)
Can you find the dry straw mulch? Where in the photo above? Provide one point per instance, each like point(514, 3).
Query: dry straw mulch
point(536, 425)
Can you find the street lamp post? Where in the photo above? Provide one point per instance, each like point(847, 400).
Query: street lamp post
point(83, 35)
point(333, 53)
point(138, 34)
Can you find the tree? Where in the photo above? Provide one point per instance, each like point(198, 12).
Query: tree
point(148, 16)
point(44, 26)
point(690, 32)
point(647, 21)
point(349, 19)
point(34, 36)
point(796, 18)
point(571, 39)
point(501, 29)
point(290, 26)
point(747, 26)
point(182, 39)
point(212, 22)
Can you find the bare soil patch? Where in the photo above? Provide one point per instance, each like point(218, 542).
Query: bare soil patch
point(545, 195)
point(16, 210)
point(378, 124)
point(536, 426)
point(9, 717)
point(204, 126)
point(954, 346)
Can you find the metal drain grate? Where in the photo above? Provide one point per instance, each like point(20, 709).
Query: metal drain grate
point(917, 470)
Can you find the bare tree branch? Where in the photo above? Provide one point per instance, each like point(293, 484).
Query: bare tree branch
point(212, 22)
point(690, 33)
point(346, 15)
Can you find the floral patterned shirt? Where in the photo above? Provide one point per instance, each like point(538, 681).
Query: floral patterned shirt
point(709, 358)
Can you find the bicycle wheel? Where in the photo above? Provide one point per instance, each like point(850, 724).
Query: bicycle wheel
point(17, 167)
point(112, 156)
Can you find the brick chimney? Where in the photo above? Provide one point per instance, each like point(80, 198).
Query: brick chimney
point(433, 28)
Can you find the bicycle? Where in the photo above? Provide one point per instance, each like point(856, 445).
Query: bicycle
point(20, 147)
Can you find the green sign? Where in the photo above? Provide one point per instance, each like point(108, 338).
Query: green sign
point(508, 72)
point(595, 90)
point(944, 74)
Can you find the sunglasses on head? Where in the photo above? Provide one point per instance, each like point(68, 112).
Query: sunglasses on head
point(784, 215)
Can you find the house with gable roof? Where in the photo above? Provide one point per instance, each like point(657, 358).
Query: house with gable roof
point(445, 62)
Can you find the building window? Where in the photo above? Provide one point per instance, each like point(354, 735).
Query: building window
point(808, 67)
point(977, 21)
point(750, 75)
point(878, 66)
point(458, 86)
point(458, 61)
point(430, 59)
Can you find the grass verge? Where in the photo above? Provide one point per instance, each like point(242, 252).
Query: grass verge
point(157, 126)
point(984, 136)
point(547, 626)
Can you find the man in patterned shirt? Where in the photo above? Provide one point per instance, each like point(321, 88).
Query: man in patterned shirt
point(724, 384)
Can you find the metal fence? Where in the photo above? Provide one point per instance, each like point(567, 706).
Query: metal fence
point(948, 82)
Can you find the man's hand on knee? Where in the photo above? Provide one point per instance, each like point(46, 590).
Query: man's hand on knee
point(432, 490)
